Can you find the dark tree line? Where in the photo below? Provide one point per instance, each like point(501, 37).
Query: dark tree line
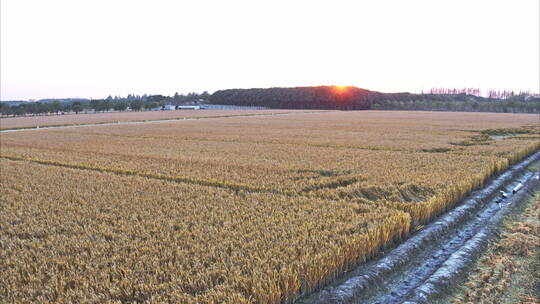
point(34, 108)
point(322, 97)
point(462, 102)
point(131, 102)
point(352, 98)
point(491, 94)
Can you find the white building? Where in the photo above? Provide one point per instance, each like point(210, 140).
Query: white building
point(188, 107)
point(169, 107)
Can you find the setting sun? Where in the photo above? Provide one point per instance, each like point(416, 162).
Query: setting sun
point(340, 89)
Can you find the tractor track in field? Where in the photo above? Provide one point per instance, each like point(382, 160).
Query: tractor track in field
point(432, 259)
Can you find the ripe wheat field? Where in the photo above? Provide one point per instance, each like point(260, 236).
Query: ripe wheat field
point(259, 209)
point(113, 117)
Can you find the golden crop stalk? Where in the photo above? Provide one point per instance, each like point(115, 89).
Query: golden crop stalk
point(231, 210)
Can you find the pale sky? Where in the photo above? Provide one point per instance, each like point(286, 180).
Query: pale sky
point(94, 48)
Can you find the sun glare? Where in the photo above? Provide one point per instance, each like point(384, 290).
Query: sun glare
point(340, 89)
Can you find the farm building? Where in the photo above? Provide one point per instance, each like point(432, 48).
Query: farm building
point(168, 107)
point(192, 107)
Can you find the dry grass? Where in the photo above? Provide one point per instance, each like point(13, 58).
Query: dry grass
point(236, 210)
point(508, 271)
point(77, 119)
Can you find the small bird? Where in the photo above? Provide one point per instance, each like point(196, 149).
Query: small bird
point(503, 194)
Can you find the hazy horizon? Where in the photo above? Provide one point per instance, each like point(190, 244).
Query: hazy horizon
point(483, 93)
point(69, 49)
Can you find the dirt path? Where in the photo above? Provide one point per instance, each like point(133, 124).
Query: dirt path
point(428, 262)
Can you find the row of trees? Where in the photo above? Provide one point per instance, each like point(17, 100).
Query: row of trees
point(468, 91)
point(491, 94)
point(463, 102)
point(176, 99)
point(131, 102)
point(95, 105)
point(505, 94)
point(32, 108)
point(322, 97)
point(460, 106)
point(352, 98)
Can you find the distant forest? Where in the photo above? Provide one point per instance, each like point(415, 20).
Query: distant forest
point(352, 98)
point(321, 97)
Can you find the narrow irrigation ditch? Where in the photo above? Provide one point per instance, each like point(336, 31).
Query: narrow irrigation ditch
point(432, 259)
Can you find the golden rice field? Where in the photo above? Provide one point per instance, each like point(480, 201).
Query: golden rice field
point(111, 117)
point(258, 209)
